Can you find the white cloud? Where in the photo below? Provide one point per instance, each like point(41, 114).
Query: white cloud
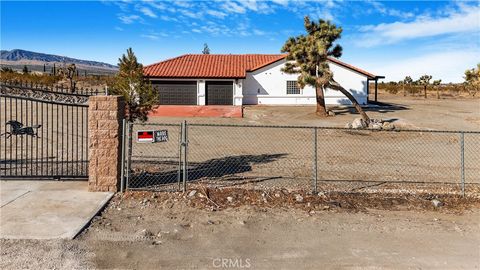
point(118, 28)
point(168, 18)
point(258, 32)
point(216, 13)
point(150, 36)
point(461, 21)
point(129, 19)
point(380, 8)
point(448, 66)
point(233, 7)
point(148, 12)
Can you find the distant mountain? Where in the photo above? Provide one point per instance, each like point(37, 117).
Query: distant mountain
point(17, 58)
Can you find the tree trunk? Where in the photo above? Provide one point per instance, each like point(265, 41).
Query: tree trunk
point(425, 91)
point(404, 92)
point(321, 108)
point(438, 93)
point(352, 99)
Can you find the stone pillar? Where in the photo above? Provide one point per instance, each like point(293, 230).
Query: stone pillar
point(105, 114)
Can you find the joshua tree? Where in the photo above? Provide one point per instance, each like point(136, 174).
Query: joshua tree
point(206, 49)
point(139, 94)
point(308, 55)
point(425, 81)
point(25, 69)
point(472, 79)
point(69, 73)
point(436, 85)
point(407, 81)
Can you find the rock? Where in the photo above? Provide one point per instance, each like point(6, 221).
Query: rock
point(388, 126)
point(331, 113)
point(436, 203)
point(156, 242)
point(376, 126)
point(144, 233)
point(312, 212)
point(192, 193)
point(277, 195)
point(201, 195)
point(118, 208)
point(348, 125)
point(230, 199)
point(358, 123)
point(153, 196)
point(321, 194)
point(298, 198)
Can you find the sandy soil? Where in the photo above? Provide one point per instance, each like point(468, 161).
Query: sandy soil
point(460, 113)
point(168, 231)
point(283, 157)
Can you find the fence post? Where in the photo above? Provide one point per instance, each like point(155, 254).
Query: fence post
point(184, 155)
point(128, 153)
point(122, 173)
point(462, 161)
point(315, 156)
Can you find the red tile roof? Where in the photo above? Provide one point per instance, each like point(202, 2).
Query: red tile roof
point(220, 65)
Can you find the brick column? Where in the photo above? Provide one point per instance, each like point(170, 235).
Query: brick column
point(105, 114)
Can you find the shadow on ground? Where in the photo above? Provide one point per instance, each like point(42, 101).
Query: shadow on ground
point(380, 107)
point(213, 168)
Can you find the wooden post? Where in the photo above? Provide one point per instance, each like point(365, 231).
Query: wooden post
point(376, 88)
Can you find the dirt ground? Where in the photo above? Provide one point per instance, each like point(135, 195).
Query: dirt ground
point(460, 113)
point(284, 157)
point(264, 231)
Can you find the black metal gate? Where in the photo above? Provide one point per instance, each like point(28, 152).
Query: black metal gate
point(44, 132)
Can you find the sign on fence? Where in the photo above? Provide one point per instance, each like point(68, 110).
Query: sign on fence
point(161, 135)
point(150, 136)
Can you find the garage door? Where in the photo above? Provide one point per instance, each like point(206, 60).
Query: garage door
point(176, 92)
point(219, 93)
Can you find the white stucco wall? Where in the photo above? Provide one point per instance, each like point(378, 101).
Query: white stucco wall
point(268, 85)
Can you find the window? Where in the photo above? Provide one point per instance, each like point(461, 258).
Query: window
point(292, 88)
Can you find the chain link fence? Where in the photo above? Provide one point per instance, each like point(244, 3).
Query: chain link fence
point(309, 158)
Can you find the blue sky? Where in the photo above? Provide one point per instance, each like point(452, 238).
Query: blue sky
point(388, 38)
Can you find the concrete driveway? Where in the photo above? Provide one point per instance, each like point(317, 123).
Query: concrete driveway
point(47, 209)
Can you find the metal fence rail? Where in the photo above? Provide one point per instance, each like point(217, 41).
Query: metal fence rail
point(313, 158)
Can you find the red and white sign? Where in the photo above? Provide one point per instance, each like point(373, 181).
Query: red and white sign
point(145, 136)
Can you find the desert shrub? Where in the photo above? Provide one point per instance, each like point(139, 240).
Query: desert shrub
point(29, 77)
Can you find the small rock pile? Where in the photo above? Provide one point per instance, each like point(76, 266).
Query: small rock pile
point(376, 124)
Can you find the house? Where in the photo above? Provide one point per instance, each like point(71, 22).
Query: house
point(247, 79)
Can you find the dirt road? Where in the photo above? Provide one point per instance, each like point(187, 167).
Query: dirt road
point(154, 232)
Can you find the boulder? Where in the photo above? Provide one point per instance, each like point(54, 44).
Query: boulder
point(331, 113)
point(359, 123)
point(376, 126)
point(348, 125)
point(298, 198)
point(388, 126)
point(436, 203)
point(192, 193)
point(230, 199)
